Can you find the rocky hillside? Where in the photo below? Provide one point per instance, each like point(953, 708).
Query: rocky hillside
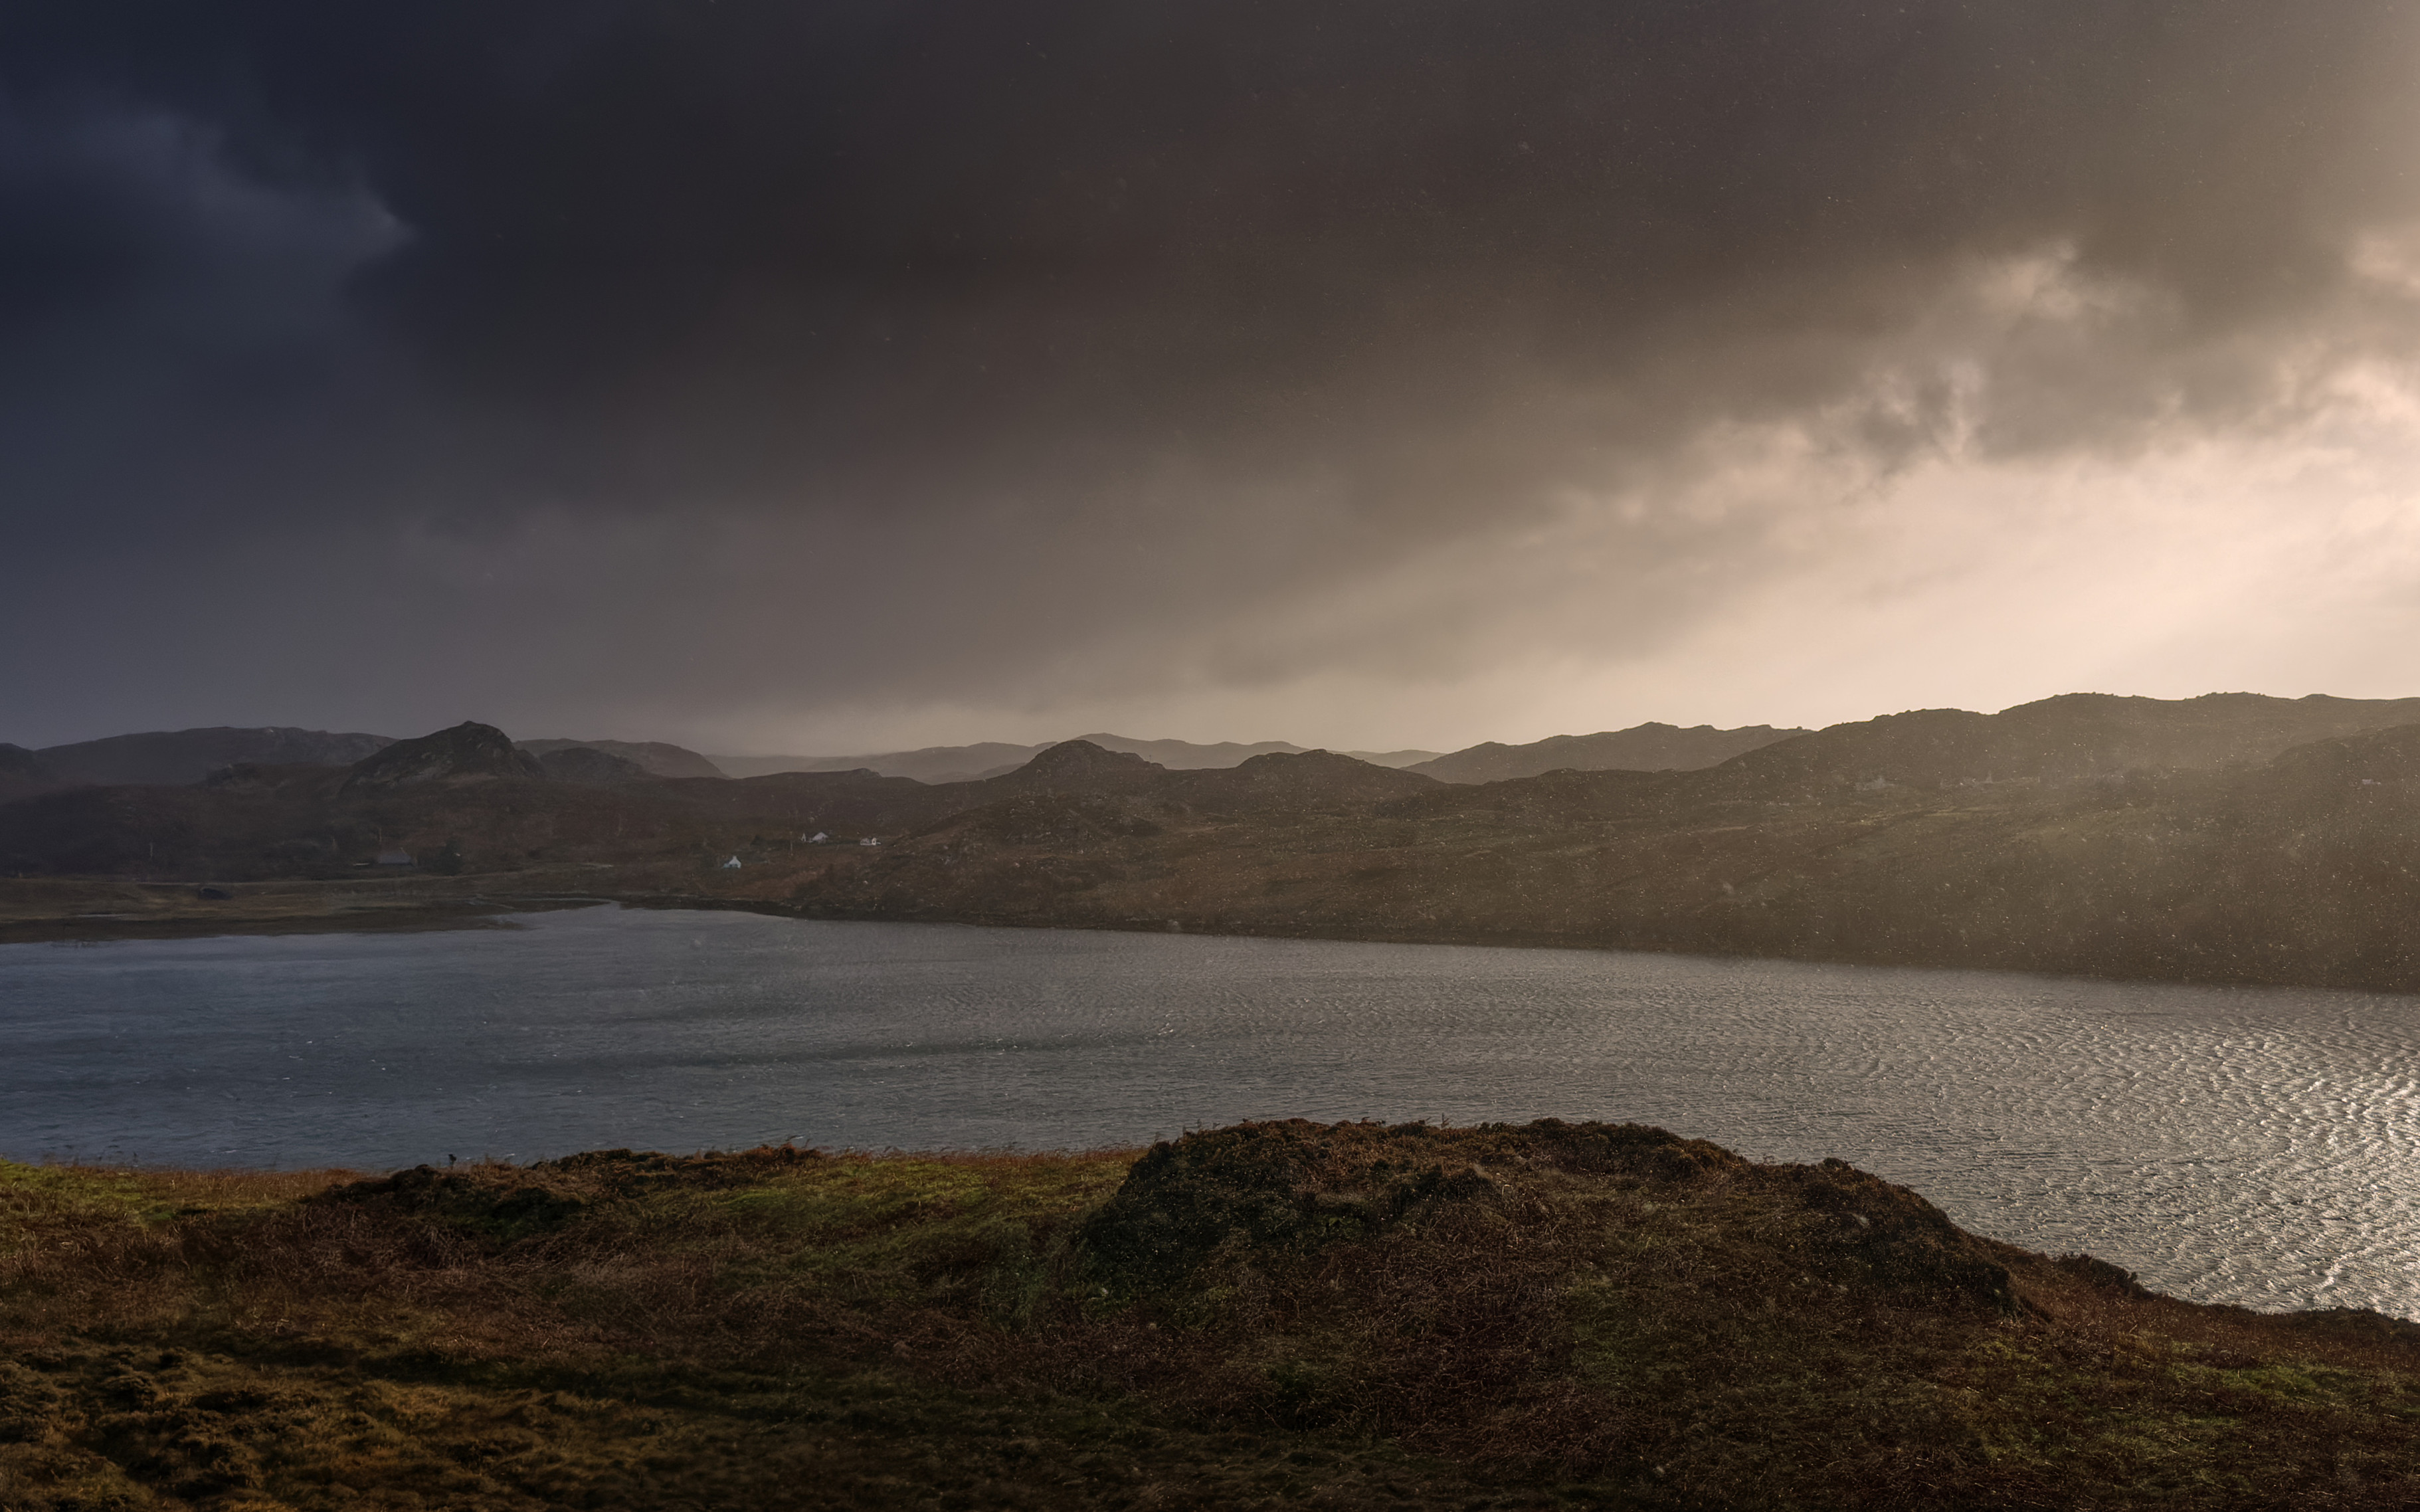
point(468, 752)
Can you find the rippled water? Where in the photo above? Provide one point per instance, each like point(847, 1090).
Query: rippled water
point(2248, 1146)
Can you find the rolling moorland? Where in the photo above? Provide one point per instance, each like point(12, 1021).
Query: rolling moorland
point(1265, 1316)
point(2230, 838)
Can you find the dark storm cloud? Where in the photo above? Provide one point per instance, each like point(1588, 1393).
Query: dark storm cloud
point(668, 357)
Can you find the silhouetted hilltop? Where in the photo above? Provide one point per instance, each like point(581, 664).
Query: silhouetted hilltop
point(1079, 766)
point(591, 767)
point(171, 757)
point(470, 752)
point(654, 758)
point(1650, 747)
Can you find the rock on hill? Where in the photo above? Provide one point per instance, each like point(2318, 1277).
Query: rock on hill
point(1650, 747)
point(468, 752)
point(176, 757)
point(654, 758)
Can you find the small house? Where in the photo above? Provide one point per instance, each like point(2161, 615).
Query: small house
point(871, 840)
point(394, 858)
point(817, 838)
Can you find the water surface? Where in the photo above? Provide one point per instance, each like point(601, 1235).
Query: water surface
point(2235, 1145)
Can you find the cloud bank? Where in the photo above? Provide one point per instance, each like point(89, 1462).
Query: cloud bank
point(862, 374)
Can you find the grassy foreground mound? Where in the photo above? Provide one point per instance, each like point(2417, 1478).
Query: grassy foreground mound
point(1354, 1315)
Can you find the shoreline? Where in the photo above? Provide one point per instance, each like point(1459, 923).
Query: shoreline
point(89, 910)
point(471, 907)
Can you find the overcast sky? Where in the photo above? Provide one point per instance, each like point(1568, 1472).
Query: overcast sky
point(841, 375)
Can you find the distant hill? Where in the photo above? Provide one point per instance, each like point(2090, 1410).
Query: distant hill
point(588, 765)
point(2072, 738)
point(1313, 780)
point(177, 757)
point(932, 764)
point(655, 757)
point(2227, 838)
point(1399, 760)
point(993, 758)
point(1185, 756)
point(468, 752)
point(1650, 747)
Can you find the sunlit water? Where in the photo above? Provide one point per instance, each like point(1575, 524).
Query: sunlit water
point(2247, 1145)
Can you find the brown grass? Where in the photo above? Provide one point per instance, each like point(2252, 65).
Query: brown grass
point(1363, 1315)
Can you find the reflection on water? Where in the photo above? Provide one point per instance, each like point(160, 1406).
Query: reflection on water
point(2247, 1145)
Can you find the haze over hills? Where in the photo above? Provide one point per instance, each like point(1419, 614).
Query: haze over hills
point(1650, 747)
point(933, 763)
point(655, 757)
point(590, 765)
point(991, 758)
